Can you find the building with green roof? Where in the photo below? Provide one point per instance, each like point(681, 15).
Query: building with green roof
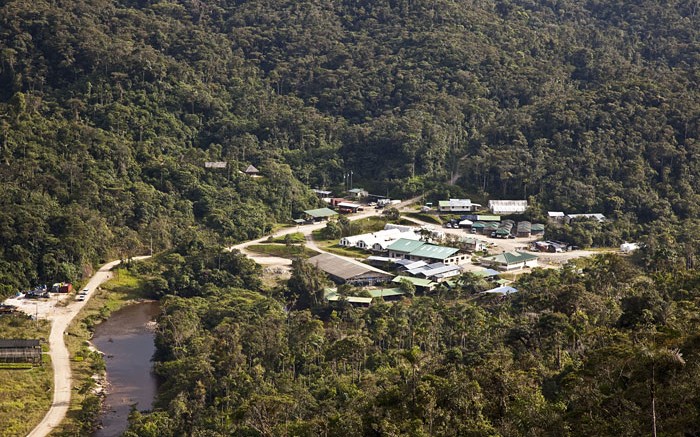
point(424, 284)
point(510, 260)
point(319, 214)
point(421, 251)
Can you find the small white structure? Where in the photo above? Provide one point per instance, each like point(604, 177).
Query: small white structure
point(595, 216)
point(507, 206)
point(555, 216)
point(628, 247)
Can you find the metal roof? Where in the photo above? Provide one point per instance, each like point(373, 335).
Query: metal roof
point(511, 257)
point(457, 203)
point(320, 212)
point(386, 292)
point(344, 268)
point(508, 206)
point(487, 273)
point(334, 297)
point(537, 227)
point(502, 290)
point(405, 245)
point(434, 252)
point(489, 218)
point(18, 343)
point(418, 282)
point(440, 270)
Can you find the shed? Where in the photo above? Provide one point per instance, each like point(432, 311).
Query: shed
point(524, 229)
point(320, 214)
point(345, 270)
point(457, 205)
point(252, 171)
point(425, 284)
point(505, 290)
point(20, 351)
point(388, 294)
point(511, 260)
point(507, 206)
point(537, 229)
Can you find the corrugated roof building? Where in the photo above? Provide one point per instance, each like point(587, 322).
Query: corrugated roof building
point(346, 270)
point(511, 260)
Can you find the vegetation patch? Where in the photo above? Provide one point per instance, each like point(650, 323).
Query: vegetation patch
point(25, 391)
point(294, 238)
point(428, 218)
point(283, 250)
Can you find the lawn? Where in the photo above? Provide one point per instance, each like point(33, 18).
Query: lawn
point(332, 246)
point(294, 238)
point(428, 218)
point(282, 250)
point(25, 393)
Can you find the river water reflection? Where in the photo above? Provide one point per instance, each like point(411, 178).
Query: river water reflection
point(126, 339)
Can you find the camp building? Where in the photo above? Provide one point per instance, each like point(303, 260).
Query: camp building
point(319, 214)
point(422, 251)
point(457, 205)
point(510, 260)
point(20, 351)
point(348, 271)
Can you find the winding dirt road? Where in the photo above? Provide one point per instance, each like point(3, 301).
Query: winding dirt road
point(61, 318)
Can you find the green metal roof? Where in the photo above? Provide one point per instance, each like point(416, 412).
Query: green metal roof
point(502, 231)
point(386, 292)
point(479, 225)
point(489, 218)
point(443, 203)
point(418, 282)
point(537, 227)
point(434, 252)
point(511, 257)
point(320, 212)
point(404, 245)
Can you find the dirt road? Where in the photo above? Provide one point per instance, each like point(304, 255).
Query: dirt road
point(61, 317)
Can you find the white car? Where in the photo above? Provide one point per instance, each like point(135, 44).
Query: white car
point(85, 291)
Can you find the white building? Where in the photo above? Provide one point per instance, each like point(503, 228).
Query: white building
point(457, 205)
point(507, 206)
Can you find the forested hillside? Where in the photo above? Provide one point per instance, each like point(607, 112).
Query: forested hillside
point(603, 347)
point(109, 109)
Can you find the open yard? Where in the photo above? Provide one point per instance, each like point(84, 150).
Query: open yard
point(282, 250)
point(25, 393)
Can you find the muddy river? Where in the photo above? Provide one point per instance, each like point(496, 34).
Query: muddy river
point(126, 339)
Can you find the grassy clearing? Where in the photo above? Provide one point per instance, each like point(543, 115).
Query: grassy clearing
point(294, 238)
point(282, 250)
point(25, 393)
point(351, 252)
point(123, 289)
point(428, 218)
point(371, 224)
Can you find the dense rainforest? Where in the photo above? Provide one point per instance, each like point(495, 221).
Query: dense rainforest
point(109, 109)
point(606, 346)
